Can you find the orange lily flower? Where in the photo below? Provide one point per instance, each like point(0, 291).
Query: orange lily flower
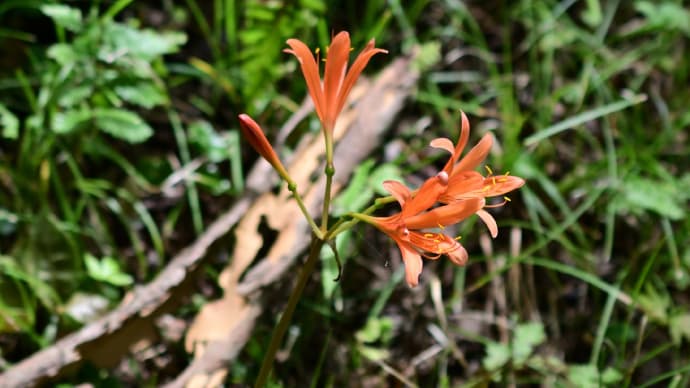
point(464, 183)
point(407, 227)
point(330, 96)
point(256, 138)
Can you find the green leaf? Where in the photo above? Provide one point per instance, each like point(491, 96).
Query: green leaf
point(120, 39)
point(214, 146)
point(664, 198)
point(63, 53)
point(64, 16)
point(122, 124)
point(666, 16)
point(75, 95)
point(584, 376)
point(145, 94)
point(497, 355)
point(526, 337)
point(679, 327)
point(9, 124)
point(106, 270)
point(70, 120)
point(654, 304)
point(384, 172)
point(376, 329)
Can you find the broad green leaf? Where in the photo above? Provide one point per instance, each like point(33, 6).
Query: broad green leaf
point(9, 124)
point(70, 120)
point(122, 124)
point(497, 355)
point(373, 353)
point(584, 376)
point(384, 172)
point(75, 96)
point(148, 45)
point(63, 53)
point(145, 94)
point(665, 16)
point(376, 329)
point(106, 270)
point(357, 193)
point(664, 198)
point(526, 337)
point(211, 144)
point(64, 16)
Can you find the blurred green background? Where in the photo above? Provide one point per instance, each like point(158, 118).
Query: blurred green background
point(119, 143)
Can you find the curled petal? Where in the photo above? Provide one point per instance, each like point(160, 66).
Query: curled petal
point(462, 142)
point(413, 264)
point(458, 256)
point(443, 143)
point(489, 221)
point(397, 190)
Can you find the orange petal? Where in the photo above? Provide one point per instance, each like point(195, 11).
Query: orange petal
point(427, 195)
point(310, 70)
point(445, 215)
point(463, 185)
point(476, 155)
point(489, 221)
point(443, 143)
point(458, 256)
point(336, 65)
point(397, 190)
point(462, 142)
point(499, 185)
point(413, 264)
point(357, 66)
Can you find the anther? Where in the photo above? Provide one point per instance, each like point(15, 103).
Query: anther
point(486, 166)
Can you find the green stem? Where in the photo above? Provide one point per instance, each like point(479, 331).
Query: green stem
point(329, 171)
point(279, 332)
point(292, 186)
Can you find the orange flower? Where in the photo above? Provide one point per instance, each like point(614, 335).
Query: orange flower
point(329, 97)
point(464, 183)
point(256, 138)
point(406, 228)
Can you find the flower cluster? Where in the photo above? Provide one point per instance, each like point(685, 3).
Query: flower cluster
point(455, 193)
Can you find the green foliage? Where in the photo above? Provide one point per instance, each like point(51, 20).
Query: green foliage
point(89, 87)
point(106, 270)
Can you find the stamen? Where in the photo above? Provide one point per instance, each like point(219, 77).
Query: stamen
point(441, 227)
point(505, 200)
point(458, 238)
point(486, 166)
point(493, 179)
